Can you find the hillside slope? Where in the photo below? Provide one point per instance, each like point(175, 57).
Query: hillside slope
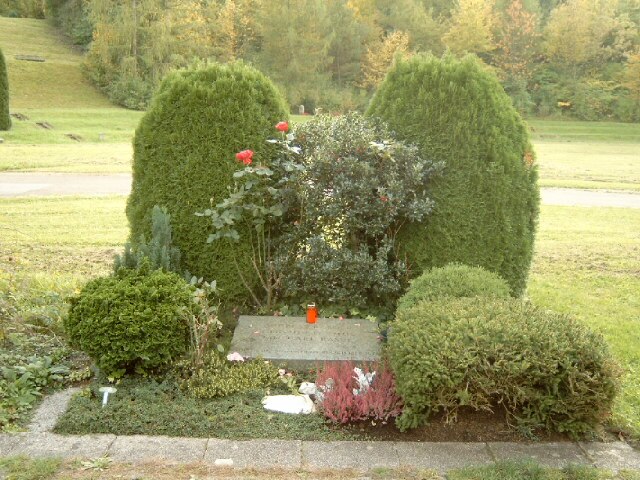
point(58, 82)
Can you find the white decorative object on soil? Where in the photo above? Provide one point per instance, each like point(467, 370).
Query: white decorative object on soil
point(295, 404)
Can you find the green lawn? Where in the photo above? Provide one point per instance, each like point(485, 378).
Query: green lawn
point(586, 263)
point(544, 130)
point(58, 82)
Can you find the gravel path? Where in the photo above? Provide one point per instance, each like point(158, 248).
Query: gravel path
point(20, 184)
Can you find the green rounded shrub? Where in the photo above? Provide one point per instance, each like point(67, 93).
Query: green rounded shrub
point(184, 160)
point(486, 201)
point(5, 118)
point(131, 322)
point(454, 280)
point(545, 369)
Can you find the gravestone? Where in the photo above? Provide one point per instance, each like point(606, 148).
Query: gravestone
point(298, 344)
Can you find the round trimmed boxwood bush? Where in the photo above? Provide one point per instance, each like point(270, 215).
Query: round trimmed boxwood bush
point(454, 280)
point(545, 369)
point(184, 160)
point(131, 322)
point(486, 201)
point(5, 118)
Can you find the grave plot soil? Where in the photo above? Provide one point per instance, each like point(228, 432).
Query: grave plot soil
point(471, 426)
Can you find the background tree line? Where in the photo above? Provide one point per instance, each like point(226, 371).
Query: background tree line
point(554, 57)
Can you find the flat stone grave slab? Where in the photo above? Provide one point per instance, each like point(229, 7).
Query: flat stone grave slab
point(298, 344)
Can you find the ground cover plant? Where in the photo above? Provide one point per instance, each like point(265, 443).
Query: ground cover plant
point(486, 200)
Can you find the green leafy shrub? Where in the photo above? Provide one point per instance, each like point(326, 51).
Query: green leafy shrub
point(218, 377)
point(23, 383)
point(160, 251)
point(184, 160)
point(358, 187)
point(5, 118)
point(454, 280)
point(326, 211)
point(132, 321)
point(486, 201)
point(545, 369)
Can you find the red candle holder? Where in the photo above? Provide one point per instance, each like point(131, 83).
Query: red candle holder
point(312, 313)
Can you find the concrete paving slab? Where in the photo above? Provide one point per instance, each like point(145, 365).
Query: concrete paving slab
point(613, 456)
point(51, 445)
point(254, 453)
point(442, 456)
point(8, 442)
point(51, 408)
point(356, 455)
point(138, 448)
point(551, 454)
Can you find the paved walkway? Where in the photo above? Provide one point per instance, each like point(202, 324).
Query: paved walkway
point(261, 454)
point(19, 184)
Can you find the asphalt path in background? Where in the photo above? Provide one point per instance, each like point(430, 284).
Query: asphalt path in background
point(25, 184)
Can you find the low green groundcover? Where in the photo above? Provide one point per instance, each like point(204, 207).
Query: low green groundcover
point(145, 407)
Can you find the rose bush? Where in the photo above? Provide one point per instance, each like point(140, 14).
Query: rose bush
point(325, 213)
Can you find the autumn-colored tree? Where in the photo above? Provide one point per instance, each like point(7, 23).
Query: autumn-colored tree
point(412, 17)
point(472, 27)
point(296, 37)
point(582, 35)
point(379, 58)
point(347, 40)
point(517, 44)
point(190, 28)
point(236, 29)
point(631, 75)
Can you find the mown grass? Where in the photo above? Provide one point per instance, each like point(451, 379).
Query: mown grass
point(24, 468)
point(587, 263)
point(614, 166)
point(58, 82)
point(91, 125)
point(78, 158)
point(545, 130)
point(530, 470)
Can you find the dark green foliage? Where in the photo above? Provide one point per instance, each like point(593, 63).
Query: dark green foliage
point(144, 407)
point(545, 369)
point(5, 118)
point(454, 280)
point(132, 321)
point(357, 188)
point(487, 199)
point(219, 377)
point(184, 159)
point(160, 251)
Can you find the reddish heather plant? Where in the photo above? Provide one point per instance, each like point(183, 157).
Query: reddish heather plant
point(339, 403)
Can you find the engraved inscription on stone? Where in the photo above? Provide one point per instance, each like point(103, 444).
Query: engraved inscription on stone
point(293, 341)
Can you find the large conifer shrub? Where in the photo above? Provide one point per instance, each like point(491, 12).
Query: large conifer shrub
point(486, 200)
point(5, 119)
point(184, 157)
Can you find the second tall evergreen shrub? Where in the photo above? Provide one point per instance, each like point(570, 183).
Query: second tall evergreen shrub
point(184, 156)
point(486, 201)
point(5, 119)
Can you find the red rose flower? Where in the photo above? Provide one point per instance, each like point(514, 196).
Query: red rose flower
point(283, 127)
point(245, 156)
point(384, 198)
